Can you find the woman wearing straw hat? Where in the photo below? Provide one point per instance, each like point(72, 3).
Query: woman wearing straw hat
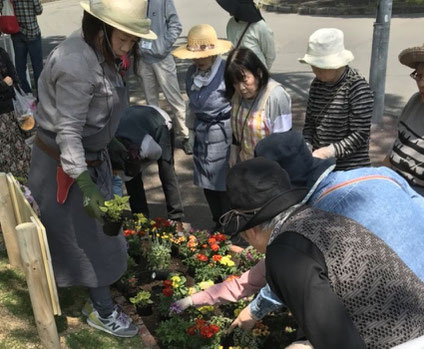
point(340, 104)
point(211, 110)
point(82, 94)
point(261, 105)
point(407, 155)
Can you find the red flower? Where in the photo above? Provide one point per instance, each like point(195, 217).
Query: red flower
point(211, 241)
point(209, 331)
point(216, 257)
point(214, 328)
point(167, 283)
point(129, 232)
point(200, 323)
point(204, 246)
point(191, 330)
point(220, 237)
point(167, 292)
point(215, 247)
point(201, 257)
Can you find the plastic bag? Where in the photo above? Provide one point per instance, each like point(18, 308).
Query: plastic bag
point(25, 106)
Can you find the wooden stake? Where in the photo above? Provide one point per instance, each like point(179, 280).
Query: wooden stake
point(36, 281)
point(8, 224)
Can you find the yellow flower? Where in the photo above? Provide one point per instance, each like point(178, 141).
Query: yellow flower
point(175, 281)
point(237, 312)
point(191, 291)
point(226, 260)
point(206, 309)
point(205, 284)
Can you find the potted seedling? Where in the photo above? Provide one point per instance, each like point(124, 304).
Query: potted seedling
point(143, 303)
point(114, 213)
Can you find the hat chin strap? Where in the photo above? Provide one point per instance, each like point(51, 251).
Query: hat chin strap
point(228, 216)
point(108, 41)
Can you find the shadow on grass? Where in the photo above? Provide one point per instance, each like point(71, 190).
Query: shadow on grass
point(88, 339)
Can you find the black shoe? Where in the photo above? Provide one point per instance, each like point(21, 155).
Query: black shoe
point(187, 146)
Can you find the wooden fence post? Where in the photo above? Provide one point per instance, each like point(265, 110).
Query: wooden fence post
point(8, 224)
point(33, 266)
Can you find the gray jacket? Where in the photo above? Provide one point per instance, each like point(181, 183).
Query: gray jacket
point(166, 25)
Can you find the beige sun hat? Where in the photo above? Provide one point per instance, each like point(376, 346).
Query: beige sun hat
point(130, 16)
point(412, 56)
point(326, 49)
point(202, 41)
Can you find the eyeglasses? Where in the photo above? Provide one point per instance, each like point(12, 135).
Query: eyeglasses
point(417, 77)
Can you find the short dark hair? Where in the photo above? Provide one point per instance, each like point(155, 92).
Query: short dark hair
point(239, 60)
point(91, 27)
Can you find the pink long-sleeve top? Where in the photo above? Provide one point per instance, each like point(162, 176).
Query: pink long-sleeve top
point(247, 284)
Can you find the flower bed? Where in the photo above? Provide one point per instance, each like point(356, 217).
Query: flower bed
point(165, 266)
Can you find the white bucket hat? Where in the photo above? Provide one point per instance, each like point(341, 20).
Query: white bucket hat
point(326, 50)
point(130, 16)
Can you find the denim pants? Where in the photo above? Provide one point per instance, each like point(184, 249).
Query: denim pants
point(22, 46)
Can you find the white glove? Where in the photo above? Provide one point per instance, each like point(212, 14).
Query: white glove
point(300, 345)
point(325, 152)
point(234, 153)
point(180, 305)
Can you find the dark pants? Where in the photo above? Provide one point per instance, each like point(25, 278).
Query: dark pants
point(170, 187)
point(218, 203)
point(22, 46)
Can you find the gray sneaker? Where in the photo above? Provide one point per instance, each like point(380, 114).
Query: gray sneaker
point(118, 323)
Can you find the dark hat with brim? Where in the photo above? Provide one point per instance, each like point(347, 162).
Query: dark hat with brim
point(290, 151)
point(243, 10)
point(412, 56)
point(259, 189)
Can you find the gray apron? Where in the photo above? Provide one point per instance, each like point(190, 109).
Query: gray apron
point(82, 254)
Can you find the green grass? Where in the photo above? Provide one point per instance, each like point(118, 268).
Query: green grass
point(17, 325)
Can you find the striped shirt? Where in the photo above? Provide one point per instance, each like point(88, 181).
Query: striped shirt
point(26, 12)
point(340, 114)
point(407, 156)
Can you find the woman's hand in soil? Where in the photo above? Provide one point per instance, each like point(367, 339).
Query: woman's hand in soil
point(245, 320)
point(180, 305)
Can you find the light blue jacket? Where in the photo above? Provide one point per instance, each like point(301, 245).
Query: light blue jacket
point(380, 200)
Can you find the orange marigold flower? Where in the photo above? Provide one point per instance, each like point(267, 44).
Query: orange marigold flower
point(216, 257)
point(201, 257)
point(211, 241)
point(231, 277)
point(220, 237)
point(215, 247)
point(191, 330)
point(129, 232)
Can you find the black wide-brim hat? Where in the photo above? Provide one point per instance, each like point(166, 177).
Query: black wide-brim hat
point(290, 151)
point(243, 10)
point(258, 189)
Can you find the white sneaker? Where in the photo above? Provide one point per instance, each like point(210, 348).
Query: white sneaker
point(118, 323)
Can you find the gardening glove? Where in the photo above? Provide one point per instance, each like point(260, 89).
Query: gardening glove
point(180, 305)
point(300, 345)
point(118, 154)
point(92, 198)
point(246, 320)
point(325, 152)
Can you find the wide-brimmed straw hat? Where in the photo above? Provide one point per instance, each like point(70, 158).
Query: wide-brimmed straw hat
point(412, 56)
point(202, 41)
point(326, 50)
point(244, 10)
point(130, 16)
point(290, 151)
point(258, 189)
